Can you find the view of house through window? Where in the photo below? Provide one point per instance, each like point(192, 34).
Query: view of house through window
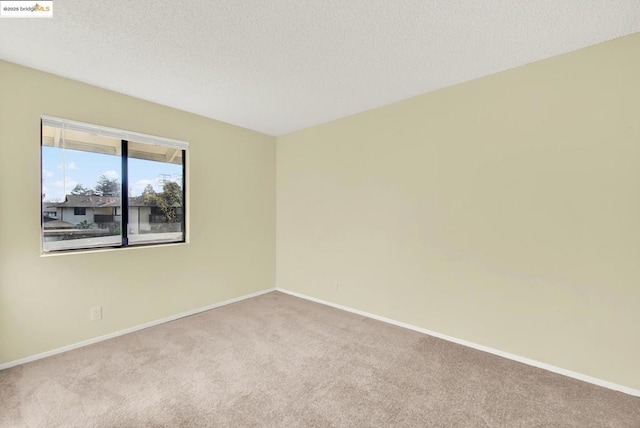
point(155, 193)
point(84, 172)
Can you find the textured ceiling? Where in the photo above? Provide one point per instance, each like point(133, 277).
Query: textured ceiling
point(281, 65)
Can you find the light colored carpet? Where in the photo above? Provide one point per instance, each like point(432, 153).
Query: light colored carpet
point(276, 360)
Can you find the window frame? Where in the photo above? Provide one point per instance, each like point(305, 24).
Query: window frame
point(124, 190)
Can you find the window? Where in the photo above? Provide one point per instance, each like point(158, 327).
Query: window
point(103, 187)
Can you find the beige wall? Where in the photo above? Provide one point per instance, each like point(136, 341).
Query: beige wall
point(504, 211)
point(45, 301)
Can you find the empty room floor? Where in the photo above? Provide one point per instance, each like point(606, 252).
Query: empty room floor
point(278, 360)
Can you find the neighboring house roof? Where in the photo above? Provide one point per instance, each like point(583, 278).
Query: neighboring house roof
point(88, 201)
point(93, 201)
point(139, 201)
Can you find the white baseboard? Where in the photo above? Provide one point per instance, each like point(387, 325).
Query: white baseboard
point(128, 330)
point(524, 360)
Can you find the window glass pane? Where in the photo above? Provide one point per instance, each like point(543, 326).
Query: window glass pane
point(156, 196)
point(81, 202)
point(82, 205)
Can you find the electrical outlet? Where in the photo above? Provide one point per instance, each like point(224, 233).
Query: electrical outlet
point(96, 313)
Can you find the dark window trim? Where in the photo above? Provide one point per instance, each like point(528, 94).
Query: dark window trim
point(124, 193)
